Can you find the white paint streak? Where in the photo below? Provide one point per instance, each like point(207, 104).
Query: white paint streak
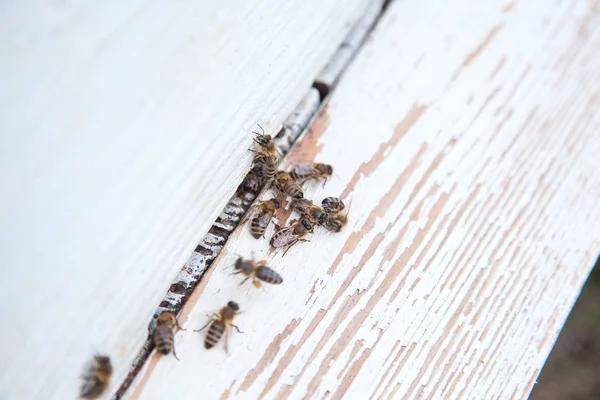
point(476, 228)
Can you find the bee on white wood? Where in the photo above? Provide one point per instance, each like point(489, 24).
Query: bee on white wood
point(96, 377)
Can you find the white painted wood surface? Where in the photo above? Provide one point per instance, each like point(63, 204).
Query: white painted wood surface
point(124, 133)
point(465, 137)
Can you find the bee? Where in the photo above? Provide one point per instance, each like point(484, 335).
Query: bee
point(307, 208)
point(219, 325)
point(262, 216)
point(96, 377)
point(163, 333)
point(290, 235)
point(267, 155)
point(334, 221)
point(318, 171)
point(332, 204)
point(288, 186)
point(258, 271)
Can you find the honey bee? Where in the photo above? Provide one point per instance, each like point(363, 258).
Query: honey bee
point(220, 324)
point(318, 171)
point(307, 208)
point(258, 271)
point(288, 186)
point(332, 204)
point(267, 155)
point(290, 235)
point(261, 216)
point(333, 221)
point(163, 333)
point(96, 377)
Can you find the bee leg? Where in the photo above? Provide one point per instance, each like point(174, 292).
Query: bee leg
point(178, 326)
point(244, 281)
point(289, 247)
point(205, 326)
point(227, 341)
point(236, 327)
point(174, 353)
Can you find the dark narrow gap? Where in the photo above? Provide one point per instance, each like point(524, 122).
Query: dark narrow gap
point(209, 248)
point(322, 88)
point(572, 370)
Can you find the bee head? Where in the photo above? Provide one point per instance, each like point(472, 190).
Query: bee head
point(276, 203)
point(299, 195)
point(263, 140)
point(233, 305)
point(103, 362)
point(241, 265)
point(306, 224)
point(328, 169)
point(165, 318)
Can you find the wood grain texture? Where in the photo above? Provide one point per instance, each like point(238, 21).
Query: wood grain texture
point(465, 138)
point(125, 129)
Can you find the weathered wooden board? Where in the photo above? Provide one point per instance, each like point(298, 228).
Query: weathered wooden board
point(465, 138)
point(124, 133)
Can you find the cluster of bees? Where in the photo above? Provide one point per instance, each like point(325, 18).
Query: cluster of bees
point(329, 215)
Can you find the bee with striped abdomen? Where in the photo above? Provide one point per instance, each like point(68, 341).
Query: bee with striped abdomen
point(303, 172)
point(163, 336)
point(290, 235)
point(220, 324)
point(308, 209)
point(288, 186)
point(96, 377)
point(257, 271)
point(261, 215)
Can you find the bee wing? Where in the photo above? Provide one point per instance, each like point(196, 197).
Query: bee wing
point(286, 237)
point(304, 169)
point(252, 212)
point(300, 205)
point(87, 385)
point(264, 219)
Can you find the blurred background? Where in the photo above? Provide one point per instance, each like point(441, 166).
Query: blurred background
point(572, 371)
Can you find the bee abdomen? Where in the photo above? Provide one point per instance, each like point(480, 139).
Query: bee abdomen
point(256, 229)
point(267, 275)
point(269, 169)
point(297, 176)
point(215, 332)
point(294, 192)
point(333, 203)
point(164, 340)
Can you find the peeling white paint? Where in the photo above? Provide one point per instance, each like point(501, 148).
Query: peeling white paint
point(475, 237)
